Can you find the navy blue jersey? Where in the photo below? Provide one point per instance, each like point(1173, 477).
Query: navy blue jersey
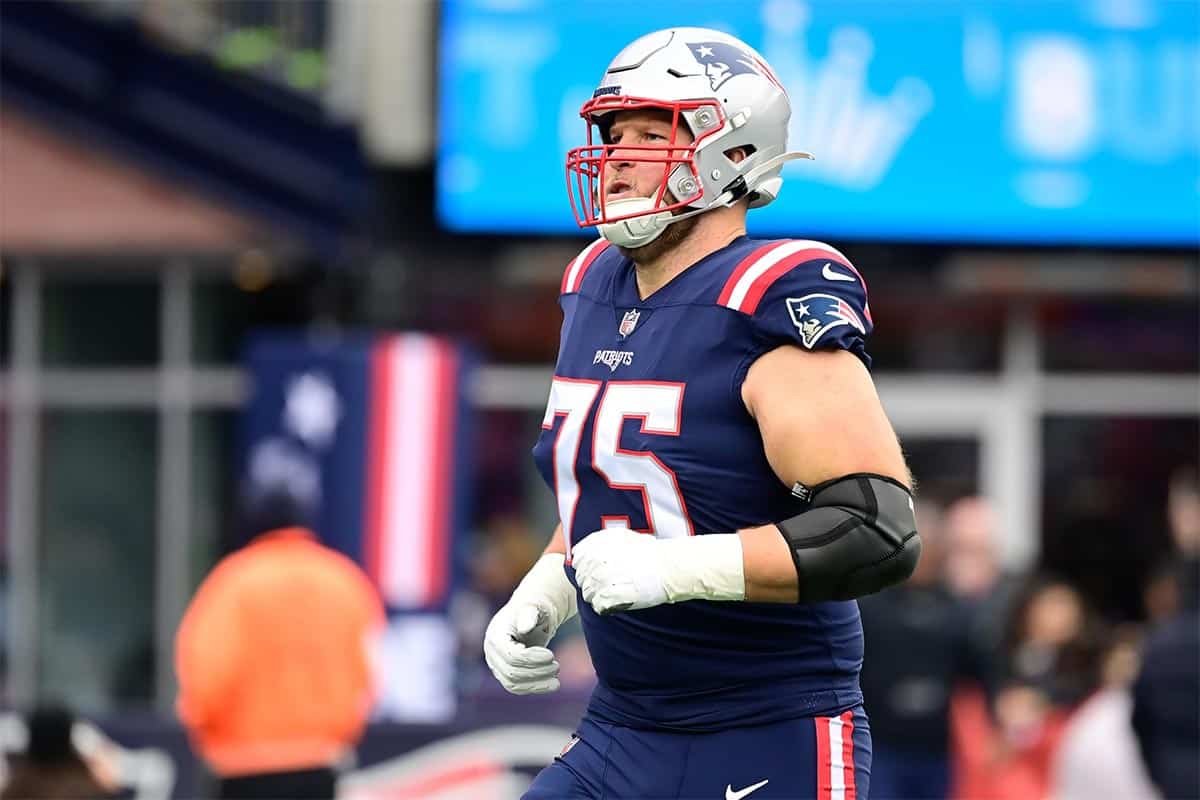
point(646, 428)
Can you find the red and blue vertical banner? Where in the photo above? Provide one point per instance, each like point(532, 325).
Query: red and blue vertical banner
point(372, 432)
point(414, 416)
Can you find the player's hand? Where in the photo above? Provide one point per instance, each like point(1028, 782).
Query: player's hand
point(514, 647)
point(619, 570)
point(514, 644)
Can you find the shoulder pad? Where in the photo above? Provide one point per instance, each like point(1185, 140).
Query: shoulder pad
point(803, 292)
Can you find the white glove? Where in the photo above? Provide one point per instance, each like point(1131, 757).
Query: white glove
point(514, 644)
point(621, 570)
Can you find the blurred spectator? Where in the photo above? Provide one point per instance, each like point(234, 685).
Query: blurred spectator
point(51, 766)
point(1053, 643)
point(974, 575)
point(916, 634)
point(1005, 754)
point(1050, 664)
point(1098, 755)
point(1166, 696)
point(972, 563)
point(506, 551)
point(1166, 706)
point(1183, 513)
point(272, 656)
point(1179, 578)
point(1161, 594)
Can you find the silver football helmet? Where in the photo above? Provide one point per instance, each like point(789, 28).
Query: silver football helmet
point(729, 99)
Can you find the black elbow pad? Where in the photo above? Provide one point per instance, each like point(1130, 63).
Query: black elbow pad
point(858, 536)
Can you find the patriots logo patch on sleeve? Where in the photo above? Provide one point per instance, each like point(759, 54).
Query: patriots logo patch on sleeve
point(814, 315)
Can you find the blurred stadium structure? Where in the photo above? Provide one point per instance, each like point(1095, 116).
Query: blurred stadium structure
point(1020, 184)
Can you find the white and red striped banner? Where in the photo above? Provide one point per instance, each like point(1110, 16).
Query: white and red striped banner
point(411, 436)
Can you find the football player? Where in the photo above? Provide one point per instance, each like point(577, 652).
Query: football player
point(727, 481)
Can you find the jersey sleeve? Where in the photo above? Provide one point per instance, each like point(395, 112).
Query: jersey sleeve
point(803, 293)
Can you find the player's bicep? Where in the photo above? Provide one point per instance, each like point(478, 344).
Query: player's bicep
point(820, 417)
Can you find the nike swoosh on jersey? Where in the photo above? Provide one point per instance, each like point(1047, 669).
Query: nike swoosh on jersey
point(730, 794)
point(828, 274)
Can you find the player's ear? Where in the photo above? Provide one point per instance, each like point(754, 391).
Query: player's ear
point(737, 154)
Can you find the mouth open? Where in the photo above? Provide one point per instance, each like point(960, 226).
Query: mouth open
point(618, 189)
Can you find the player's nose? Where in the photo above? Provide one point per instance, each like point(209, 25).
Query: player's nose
point(619, 158)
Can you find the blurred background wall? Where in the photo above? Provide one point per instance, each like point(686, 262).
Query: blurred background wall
point(1019, 183)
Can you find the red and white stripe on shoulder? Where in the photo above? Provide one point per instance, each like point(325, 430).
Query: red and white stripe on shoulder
point(573, 276)
point(755, 273)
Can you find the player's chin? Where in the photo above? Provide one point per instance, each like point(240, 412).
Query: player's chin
point(675, 233)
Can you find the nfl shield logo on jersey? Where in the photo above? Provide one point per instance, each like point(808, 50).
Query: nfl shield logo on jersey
point(628, 322)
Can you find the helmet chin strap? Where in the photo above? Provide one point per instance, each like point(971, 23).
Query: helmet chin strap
point(644, 229)
point(636, 231)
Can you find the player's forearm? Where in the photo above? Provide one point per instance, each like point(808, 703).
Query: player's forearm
point(621, 570)
point(858, 536)
point(767, 566)
point(758, 566)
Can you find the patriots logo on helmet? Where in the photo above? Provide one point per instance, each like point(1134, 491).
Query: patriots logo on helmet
point(722, 61)
point(816, 314)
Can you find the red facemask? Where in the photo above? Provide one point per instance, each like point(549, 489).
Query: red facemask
point(587, 166)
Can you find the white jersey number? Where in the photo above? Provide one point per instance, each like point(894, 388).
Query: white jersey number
point(658, 406)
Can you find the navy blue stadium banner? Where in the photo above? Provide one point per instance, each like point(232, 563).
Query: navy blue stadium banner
point(371, 433)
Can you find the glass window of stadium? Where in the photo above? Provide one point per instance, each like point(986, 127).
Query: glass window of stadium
point(213, 489)
point(5, 314)
point(97, 557)
point(5, 344)
point(1158, 334)
point(6, 325)
point(923, 334)
point(100, 319)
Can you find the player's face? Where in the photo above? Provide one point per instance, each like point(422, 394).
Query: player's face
point(641, 128)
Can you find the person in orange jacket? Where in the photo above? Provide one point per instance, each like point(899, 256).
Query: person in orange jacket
point(273, 660)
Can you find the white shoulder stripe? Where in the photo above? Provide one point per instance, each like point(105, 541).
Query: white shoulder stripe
point(813, 244)
point(770, 259)
point(758, 268)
